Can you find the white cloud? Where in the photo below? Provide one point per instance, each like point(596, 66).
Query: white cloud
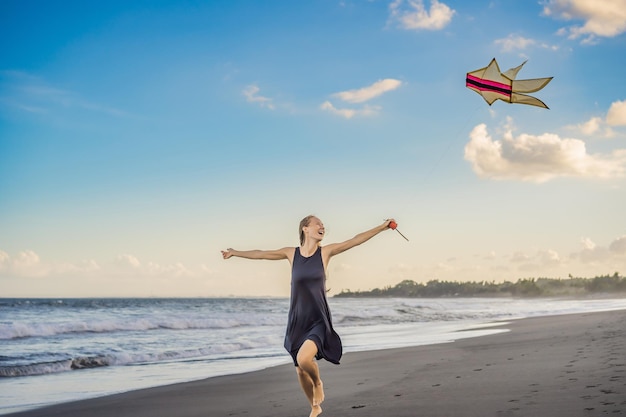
point(86, 266)
point(587, 243)
point(617, 114)
point(515, 42)
point(26, 274)
point(538, 158)
point(540, 261)
point(27, 264)
point(518, 257)
point(347, 113)
point(597, 126)
point(618, 246)
point(591, 126)
point(416, 17)
point(26, 259)
point(605, 18)
point(177, 269)
point(549, 257)
point(350, 113)
point(251, 93)
point(592, 253)
point(4, 259)
point(367, 93)
point(361, 95)
point(128, 260)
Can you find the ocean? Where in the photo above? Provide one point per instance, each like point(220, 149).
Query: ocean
point(59, 350)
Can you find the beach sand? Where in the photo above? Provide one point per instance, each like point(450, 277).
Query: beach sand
point(569, 365)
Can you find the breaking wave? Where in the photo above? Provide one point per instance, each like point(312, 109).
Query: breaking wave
point(23, 330)
point(120, 359)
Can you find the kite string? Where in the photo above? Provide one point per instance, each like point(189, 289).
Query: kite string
point(451, 141)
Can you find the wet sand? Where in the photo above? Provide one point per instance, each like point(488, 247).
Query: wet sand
point(569, 365)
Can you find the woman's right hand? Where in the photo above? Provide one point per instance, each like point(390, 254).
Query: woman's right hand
point(388, 224)
point(227, 253)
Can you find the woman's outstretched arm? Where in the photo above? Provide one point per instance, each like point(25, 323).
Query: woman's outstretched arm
point(337, 248)
point(272, 255)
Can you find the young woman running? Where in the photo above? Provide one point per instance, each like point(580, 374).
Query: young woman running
point(310, 334)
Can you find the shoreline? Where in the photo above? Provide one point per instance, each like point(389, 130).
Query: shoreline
point(569, 364)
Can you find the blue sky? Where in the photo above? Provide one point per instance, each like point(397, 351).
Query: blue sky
point(137, 139)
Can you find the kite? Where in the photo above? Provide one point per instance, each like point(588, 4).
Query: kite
point(494, 85)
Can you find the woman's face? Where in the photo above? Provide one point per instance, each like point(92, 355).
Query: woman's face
point(315, 230)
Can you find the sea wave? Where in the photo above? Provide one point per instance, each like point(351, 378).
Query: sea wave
point(375, 314)
point(17, 330)
point(43, 368)
point(409, 313)
point(219, 352)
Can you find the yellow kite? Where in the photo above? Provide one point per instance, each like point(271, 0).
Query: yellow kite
point(494, 85)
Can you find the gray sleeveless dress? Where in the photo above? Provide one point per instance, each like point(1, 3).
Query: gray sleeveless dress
point(309, 315)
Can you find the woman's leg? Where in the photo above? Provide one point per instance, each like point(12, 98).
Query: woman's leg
point(307, 386)
point(309, 375)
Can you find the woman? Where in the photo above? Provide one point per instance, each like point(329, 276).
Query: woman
point(310, 334)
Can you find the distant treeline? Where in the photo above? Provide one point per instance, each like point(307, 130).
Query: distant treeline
point(526, 287)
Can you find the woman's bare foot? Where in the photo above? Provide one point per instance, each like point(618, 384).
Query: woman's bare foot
point(318, 394)
point(316, 410)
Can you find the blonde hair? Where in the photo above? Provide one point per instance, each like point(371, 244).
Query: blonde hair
point(304, 223)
